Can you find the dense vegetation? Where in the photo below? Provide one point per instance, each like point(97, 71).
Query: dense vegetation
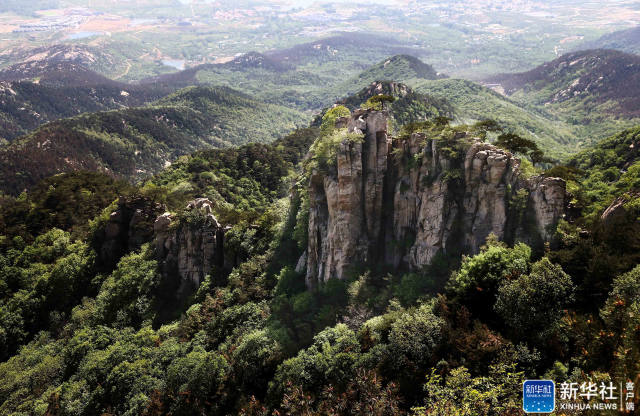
point(306, 83)
point(25, 105)
point(456, 337)
point(136, 142)
point(243, 182)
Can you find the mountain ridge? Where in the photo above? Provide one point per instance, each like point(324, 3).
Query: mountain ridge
point(135, 142)
point(626, 40)
point(603, 75)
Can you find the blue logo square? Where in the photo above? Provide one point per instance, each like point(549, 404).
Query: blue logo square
point(538, 396)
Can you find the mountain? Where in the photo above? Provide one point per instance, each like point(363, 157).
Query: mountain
point(419, 200)
point(405, 69)
point(627, 40)
point(311, 75)
point(258, 60)
point(594, 91)
point(408, 107)
point(356, 47)
point(84, 56)
point(113, 57)
point(135, 142)
point(400, 68)
point(257, 75)
point(247, 62)
point(38, 92)
point(595, 79)
point(473, 102)
point(54, 73)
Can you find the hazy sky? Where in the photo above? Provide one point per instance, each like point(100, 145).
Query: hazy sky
point(301, 3)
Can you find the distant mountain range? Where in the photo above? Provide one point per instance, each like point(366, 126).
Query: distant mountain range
point(307, 76)
point(136, 142)
point(37, 92)
point(592, 77)
point(346, 46)
point(563, 105)
point(595, 91)
point(627, 40)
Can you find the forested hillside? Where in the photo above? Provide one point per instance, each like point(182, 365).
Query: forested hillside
point(593, 92)
point(472, 102)
point(39, 92)
point(136, 142)
point(308, 76)
point(256, 335)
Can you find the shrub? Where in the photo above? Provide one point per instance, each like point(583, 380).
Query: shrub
point(331, 116)
point(532, 305)
point(476, 283)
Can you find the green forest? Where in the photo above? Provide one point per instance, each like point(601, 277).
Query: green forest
point(84, 336)
point(300, 208)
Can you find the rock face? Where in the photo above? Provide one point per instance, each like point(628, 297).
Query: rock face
point(404, 201)
point(620, 224)
point(188, 250)
point(548, 196)
point(127, 228)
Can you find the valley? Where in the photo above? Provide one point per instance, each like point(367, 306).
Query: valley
point(470, 41)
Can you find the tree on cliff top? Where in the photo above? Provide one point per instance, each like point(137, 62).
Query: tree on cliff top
point(517, 144)
point(331, 116)
point(377, 102)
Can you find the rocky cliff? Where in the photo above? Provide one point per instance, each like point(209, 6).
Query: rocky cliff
point(128, 227)
point(189, 249)
point(403, 201)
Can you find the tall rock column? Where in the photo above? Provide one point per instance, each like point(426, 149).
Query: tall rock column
point(345, 217)
point(188, 252)
point(548, 197)
point(375, 152)
point(400, 203)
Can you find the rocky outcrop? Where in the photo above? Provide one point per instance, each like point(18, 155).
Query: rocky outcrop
point(404, 201)
point(128, 227)
point(620, 225)
point(189, 249)
point(548, 197)
point(346, 209)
